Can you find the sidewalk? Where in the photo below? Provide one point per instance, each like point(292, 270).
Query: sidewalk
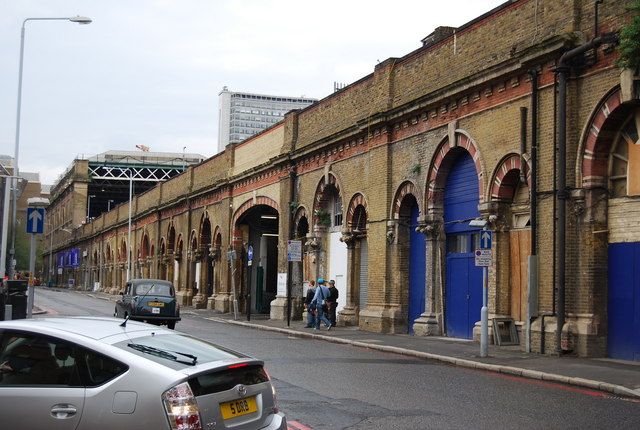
point(618, 377)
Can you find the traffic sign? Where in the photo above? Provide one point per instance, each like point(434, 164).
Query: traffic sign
point(485, 239)
point(483, 257)
point(249, 255)
point(294, 250)
point(35, 220)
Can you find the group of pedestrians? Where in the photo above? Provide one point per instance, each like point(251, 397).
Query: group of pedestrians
point(321, 302)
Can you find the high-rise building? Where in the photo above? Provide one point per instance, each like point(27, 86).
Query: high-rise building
point(241, 115)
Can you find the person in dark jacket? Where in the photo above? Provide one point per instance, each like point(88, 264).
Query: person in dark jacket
point(311, 319)
point(333, 302)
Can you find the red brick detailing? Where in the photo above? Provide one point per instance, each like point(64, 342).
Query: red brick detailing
point(595, 147)
point(193, 242)
point(442, 160)
point(405, 189)
point(300, 213)
point(503, 186)
point(319, 196)
point(261, 200)
point(356, 200)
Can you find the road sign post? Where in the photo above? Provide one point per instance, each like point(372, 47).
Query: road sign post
point(35, 225)
point(483, 258)
point(249, 263)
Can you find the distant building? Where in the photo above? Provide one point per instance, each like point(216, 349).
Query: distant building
point(98, 184)
point(28, 186)
point(241, 115)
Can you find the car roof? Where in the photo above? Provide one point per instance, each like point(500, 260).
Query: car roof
point(90, 327)
point(150, 281)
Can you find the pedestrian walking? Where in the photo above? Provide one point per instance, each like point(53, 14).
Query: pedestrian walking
point(319, 298)
point(333, 302)
point(311, 318)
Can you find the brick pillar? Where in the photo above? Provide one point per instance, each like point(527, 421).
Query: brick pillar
point(348, 316)
point(428, 324)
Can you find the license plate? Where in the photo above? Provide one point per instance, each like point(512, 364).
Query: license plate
point(156, 304)
point(238, 407)
point(155, 310)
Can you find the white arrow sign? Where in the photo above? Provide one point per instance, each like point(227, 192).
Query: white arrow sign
point(35, 219)
point(485, 239)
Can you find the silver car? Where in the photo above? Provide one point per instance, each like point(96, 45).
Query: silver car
point(101, 373)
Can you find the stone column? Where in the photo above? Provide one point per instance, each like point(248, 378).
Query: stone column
point(348, 316)
point(430, 321)
point(214, 254)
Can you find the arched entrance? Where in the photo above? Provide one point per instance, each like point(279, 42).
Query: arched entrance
point(327, 219)
point(357, 227)
point(257, 225)
point(463, 295)
point(415, 249)
point(609, 166)
point(509, 188)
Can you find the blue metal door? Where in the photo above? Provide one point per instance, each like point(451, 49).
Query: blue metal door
point(463, 289)
point(623, 340)
point(417, 268)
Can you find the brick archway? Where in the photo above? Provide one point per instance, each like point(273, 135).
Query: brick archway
point(357, 200)
point(261, 200)
point(503, 182)
point(593, 156)
point(407, 188)
point(319, 195)
point(301, 212)
point(443, 158)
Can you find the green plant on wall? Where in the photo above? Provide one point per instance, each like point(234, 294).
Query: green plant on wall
point(629, 46)
point(323, 217)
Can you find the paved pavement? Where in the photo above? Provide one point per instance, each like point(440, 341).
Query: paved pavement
point(614, 376)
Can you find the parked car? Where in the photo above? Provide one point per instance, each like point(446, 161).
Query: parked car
point(149, 300)
point(94, 373)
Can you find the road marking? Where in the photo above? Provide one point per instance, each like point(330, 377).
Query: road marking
point(559, 386)
point(295, 425)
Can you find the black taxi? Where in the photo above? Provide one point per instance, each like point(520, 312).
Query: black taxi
point(149, 300)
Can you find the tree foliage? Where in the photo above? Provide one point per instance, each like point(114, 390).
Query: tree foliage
point(629, 47)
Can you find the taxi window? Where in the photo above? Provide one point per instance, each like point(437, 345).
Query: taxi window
point(153, 290)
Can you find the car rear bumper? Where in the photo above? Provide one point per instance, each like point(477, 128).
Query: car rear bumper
point(153, 318)
point(279, 422)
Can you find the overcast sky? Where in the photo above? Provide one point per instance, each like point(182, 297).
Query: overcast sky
point(149, 71)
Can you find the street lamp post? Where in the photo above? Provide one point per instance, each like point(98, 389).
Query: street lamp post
point(129, 247)
point(79, 20)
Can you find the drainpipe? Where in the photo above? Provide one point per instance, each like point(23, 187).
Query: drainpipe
point(563, 69)
point(292, 198)
point(532, 294)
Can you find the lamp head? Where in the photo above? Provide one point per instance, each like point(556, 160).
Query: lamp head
point(80, 19)
point(478, 222)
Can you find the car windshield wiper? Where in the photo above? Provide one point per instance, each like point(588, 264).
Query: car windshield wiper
point(163, 353)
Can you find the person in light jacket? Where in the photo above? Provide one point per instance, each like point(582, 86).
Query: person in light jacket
point(319, 299)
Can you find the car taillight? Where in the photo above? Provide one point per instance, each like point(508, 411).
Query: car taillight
point(182, 408)
point(273, 391)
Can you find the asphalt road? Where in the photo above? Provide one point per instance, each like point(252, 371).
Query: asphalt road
point(323, 385)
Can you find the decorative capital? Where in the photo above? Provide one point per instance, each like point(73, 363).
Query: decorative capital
point(348, 239)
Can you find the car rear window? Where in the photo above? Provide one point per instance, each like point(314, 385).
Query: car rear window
point(178, 345)
point(226, 379)
point(153, 290)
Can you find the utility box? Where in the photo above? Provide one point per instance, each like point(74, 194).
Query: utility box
point(16, 296)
